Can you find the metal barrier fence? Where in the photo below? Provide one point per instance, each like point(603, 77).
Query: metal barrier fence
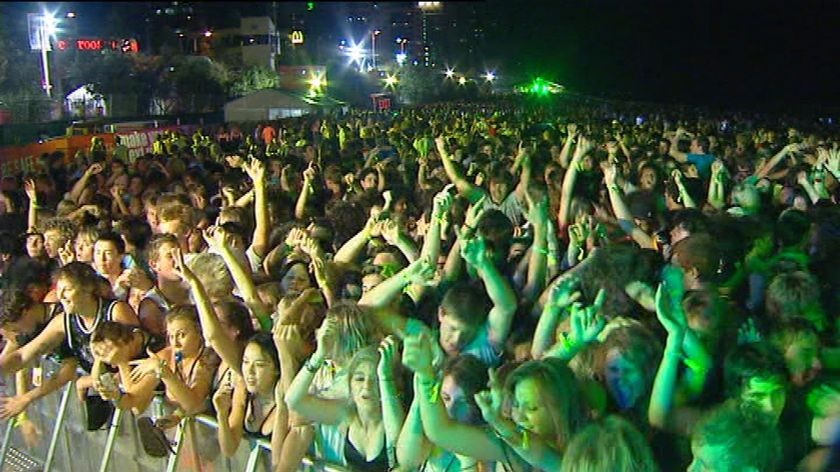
point(65, 445)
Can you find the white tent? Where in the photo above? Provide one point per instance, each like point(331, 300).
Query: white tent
point(84, 103)
point(264, 105)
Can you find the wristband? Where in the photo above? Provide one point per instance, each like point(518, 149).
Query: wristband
point(312, 368)
point(21, 418)
point(569, 344)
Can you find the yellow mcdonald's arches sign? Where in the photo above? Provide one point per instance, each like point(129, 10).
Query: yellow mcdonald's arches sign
point(297, 37)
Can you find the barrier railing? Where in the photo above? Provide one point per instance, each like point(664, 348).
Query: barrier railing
point(72, 448)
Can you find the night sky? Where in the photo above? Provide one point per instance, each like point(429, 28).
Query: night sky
point(735, 54)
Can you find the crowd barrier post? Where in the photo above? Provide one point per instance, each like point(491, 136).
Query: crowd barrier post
point(254, 458)
point(7, 437)
point(180, 434)
point(59, 424)
point(116, 419)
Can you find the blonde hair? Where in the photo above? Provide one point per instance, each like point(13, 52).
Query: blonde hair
point(213, 275)
point(613, 444)
point(355, 331)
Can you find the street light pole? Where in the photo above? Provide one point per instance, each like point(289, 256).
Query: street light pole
point(44, 62)
point(373, 46)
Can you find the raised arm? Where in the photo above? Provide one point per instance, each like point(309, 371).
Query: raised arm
point(686, 197)
point(458, 438)
point(349, 252)
point(390, 231)
point(413, 448)
point(474, 253)
point(668, 389)
point(456, 176)
point(32, 214)
point(230, 404)
point(298, 398)
point(307, 190)
point(717, 193)
point(673, 149)
point(81, 184)
point(256, 171)
point(393, 414)
point(571, 134)
point(381, 296)
point(563, 294)
point(531, 448)
point(218, 240)
point(569, 179)
point(538, 259)
point(768, 166)
point(211, 327)
point(622, 212)
point(585, 323)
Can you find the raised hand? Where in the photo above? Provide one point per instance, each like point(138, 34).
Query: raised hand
point(586, 323)
point(255, 170)
point(832, 162)
point(748, 333)
point(390, 231)
point(234, 161)
point(94, 169)
point(31, 193)
point(387, 353)
point(66, 253)
point(564, 293)
point(670, 315)
point(309, 174)
point(610, 173)
point(824, 400)
point(442, 202)
point(325, 336)
point(180, 267)
point(420, 271)
point(417, 354)
point(295, 237)
point(476, 211)
point(490, 401)
point(216, 237)
point(473, 250)
point(537, 208)
point(223, 399)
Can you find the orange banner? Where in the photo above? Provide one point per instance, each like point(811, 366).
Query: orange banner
point(25, 158)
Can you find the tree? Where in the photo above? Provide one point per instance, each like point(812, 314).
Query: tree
point(198, 82)
point(418, 84)
point(252, 79)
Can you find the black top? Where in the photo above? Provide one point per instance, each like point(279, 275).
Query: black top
point(358, 461)
point(258, 434)
point(77, 337)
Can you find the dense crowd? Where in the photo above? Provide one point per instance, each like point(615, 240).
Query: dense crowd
point(497, 286)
